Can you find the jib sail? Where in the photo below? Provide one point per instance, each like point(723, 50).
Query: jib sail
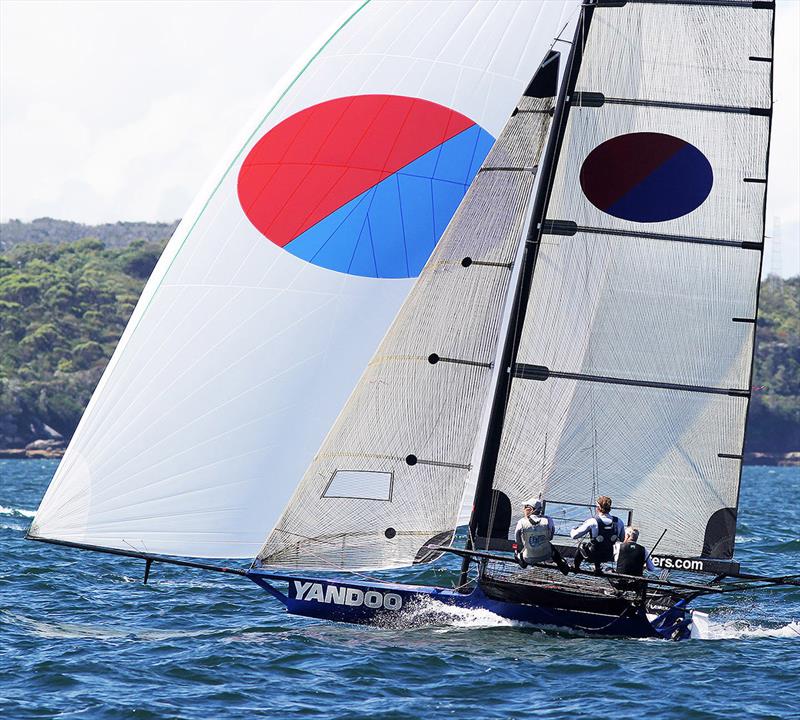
point(391, 475)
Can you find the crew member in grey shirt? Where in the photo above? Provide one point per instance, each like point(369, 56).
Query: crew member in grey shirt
point(533, 535)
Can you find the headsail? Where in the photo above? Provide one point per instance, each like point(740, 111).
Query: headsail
point(284, 275)
point(632, 369)
point(391, 475)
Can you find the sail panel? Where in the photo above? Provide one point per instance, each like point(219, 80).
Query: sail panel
point(415, 414)
point(642, 309)
point(670, 455)
point(690, 53)
point(663, 144)
point(634, 361)
point(245, 345)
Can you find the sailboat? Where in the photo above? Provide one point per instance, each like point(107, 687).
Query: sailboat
point(587, 236)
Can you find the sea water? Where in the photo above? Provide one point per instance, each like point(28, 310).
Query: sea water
point(82, 637)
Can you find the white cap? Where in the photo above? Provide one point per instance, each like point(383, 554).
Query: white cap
point(535, 503)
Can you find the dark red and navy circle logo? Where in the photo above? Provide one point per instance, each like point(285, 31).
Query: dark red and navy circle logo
point(363, 185)
point(646, 177)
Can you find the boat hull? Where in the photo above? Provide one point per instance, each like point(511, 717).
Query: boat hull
point(397, 605)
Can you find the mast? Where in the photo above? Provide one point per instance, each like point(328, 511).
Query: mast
point(479, 524)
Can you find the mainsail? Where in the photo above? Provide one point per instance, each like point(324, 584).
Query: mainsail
point(273, 294)
point(632, 365)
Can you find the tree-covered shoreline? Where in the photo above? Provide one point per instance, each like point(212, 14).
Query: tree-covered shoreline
point(63, 307)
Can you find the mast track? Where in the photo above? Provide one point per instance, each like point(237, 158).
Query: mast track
point(525, 371)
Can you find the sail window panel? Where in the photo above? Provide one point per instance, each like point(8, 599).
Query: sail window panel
point(366, 533)
point(652, 450)
point(689, 54)
point(642, 309)
point(360, 485)
point(735, 147)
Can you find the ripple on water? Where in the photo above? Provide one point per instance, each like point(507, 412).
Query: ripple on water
point(83, 638)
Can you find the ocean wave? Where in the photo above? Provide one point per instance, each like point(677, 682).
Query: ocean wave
point(740, 630)
point(67, 630)
point(16, 512)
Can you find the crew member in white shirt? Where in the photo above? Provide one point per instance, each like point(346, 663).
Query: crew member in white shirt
point(604, 530)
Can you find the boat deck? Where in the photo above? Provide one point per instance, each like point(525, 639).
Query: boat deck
point(547, 587)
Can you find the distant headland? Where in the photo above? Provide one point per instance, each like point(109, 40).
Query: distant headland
point(67, 291)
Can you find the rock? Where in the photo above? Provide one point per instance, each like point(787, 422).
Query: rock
point(45, 445)
point(52, 432)
point(44, 454)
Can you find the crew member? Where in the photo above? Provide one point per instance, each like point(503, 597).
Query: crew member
point(632, 558)
point(533, 536)
point(604, 529)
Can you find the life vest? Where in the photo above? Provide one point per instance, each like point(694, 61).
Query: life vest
point(603, 544)
point(536, 540)
point(631, 559)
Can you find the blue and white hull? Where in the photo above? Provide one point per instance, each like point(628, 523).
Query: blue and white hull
point(395, 604)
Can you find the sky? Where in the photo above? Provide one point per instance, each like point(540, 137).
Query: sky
point(121, 110)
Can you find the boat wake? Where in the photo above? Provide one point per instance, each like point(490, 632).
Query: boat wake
point(83, 631)
point(444, 618)
point(742, 630)
point(432, 612)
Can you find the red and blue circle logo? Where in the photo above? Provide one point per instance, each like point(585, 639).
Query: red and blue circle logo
point(646, 177)
point(363, 185)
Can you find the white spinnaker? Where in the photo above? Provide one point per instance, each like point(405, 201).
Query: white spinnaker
point(676, 308)
point(239, 356)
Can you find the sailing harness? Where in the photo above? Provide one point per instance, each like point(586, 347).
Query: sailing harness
point(601, 547)
point(631, 559)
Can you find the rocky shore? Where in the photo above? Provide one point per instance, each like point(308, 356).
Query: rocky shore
point(36, 450)
point(47, 449)
point(790, 459)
